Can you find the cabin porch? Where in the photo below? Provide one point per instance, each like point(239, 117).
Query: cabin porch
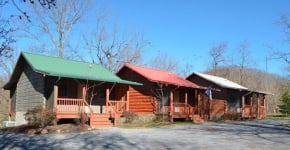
point(254, 106)
point(183, 104)
point(97, 115)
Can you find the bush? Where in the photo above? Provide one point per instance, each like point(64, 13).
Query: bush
point(232, 116)
point(39, 116)
point(82, 120)
point(161, 118)
point(130, 116)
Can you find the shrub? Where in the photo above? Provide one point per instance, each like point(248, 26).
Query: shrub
point(130, 116)
point(39, 116)
point(161, 118)
point(82, 120)
point(232, 116)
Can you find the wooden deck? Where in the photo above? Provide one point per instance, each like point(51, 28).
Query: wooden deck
point(182, 111)
point(70, 108)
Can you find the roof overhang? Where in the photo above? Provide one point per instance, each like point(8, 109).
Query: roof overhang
point(22, 61)
point(190, 84)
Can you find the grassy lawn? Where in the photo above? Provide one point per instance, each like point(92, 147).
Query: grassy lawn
point(153, 124)
point(278, 117)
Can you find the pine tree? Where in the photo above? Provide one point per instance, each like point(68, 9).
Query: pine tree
point(285, 106)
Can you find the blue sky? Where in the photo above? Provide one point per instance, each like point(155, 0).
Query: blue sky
point(187, 29)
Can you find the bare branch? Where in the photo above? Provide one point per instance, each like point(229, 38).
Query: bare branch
point(217, 54)
point(110, 48)
point(165, 62)
point(58, 23)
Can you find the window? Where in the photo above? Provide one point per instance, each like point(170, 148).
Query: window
point(233, 101)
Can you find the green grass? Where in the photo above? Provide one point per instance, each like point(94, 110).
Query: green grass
point(153, 124)
point(278, 116)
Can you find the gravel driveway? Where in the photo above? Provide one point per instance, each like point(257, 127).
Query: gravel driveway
point(263, 134)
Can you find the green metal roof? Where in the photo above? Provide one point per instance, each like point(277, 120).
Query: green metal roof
point(58, 67)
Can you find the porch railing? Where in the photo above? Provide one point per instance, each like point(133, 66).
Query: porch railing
point(247, 111)
point(251, 111)
point(182, 108)
point(72, 105)
point(262, 112)
point(117, 106)
point(179, 108)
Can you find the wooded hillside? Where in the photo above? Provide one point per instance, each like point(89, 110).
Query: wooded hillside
point(4, 99)
point(256, 80)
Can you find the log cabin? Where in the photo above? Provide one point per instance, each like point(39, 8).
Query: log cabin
point(163, 92)
point(229, 97)
point(66, 87)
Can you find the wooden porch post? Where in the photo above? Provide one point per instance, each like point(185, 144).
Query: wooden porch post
point(198, 103)
point(186, 108)
point(243, 105)
point(265, 108)
point(258, 107)
point(55, 96)
point(209, 108)
point(84, 92)
point(128, 100)
point(107, 99)
point(251, 105)
point(171, 106)
point(185, 98)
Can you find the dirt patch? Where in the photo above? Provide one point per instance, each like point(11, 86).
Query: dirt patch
point(63, 128)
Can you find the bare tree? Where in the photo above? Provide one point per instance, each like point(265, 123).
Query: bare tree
point(112, 48)
point(6, 30)
point(162, 94)
point(186, 70)
point(279, 54)
point(243, 60)
point(9, 29)
point(6, 39)
point(57, 24)
point(217, 55)
point(284, 21)
point(165, 62)
point(7, 64)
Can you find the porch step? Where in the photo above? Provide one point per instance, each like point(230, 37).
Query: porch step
point(101, 120)
point(197, 119)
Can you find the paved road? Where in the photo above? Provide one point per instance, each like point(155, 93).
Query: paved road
point(263, 134)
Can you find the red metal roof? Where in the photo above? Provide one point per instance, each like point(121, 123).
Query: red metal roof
point(160, 76)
